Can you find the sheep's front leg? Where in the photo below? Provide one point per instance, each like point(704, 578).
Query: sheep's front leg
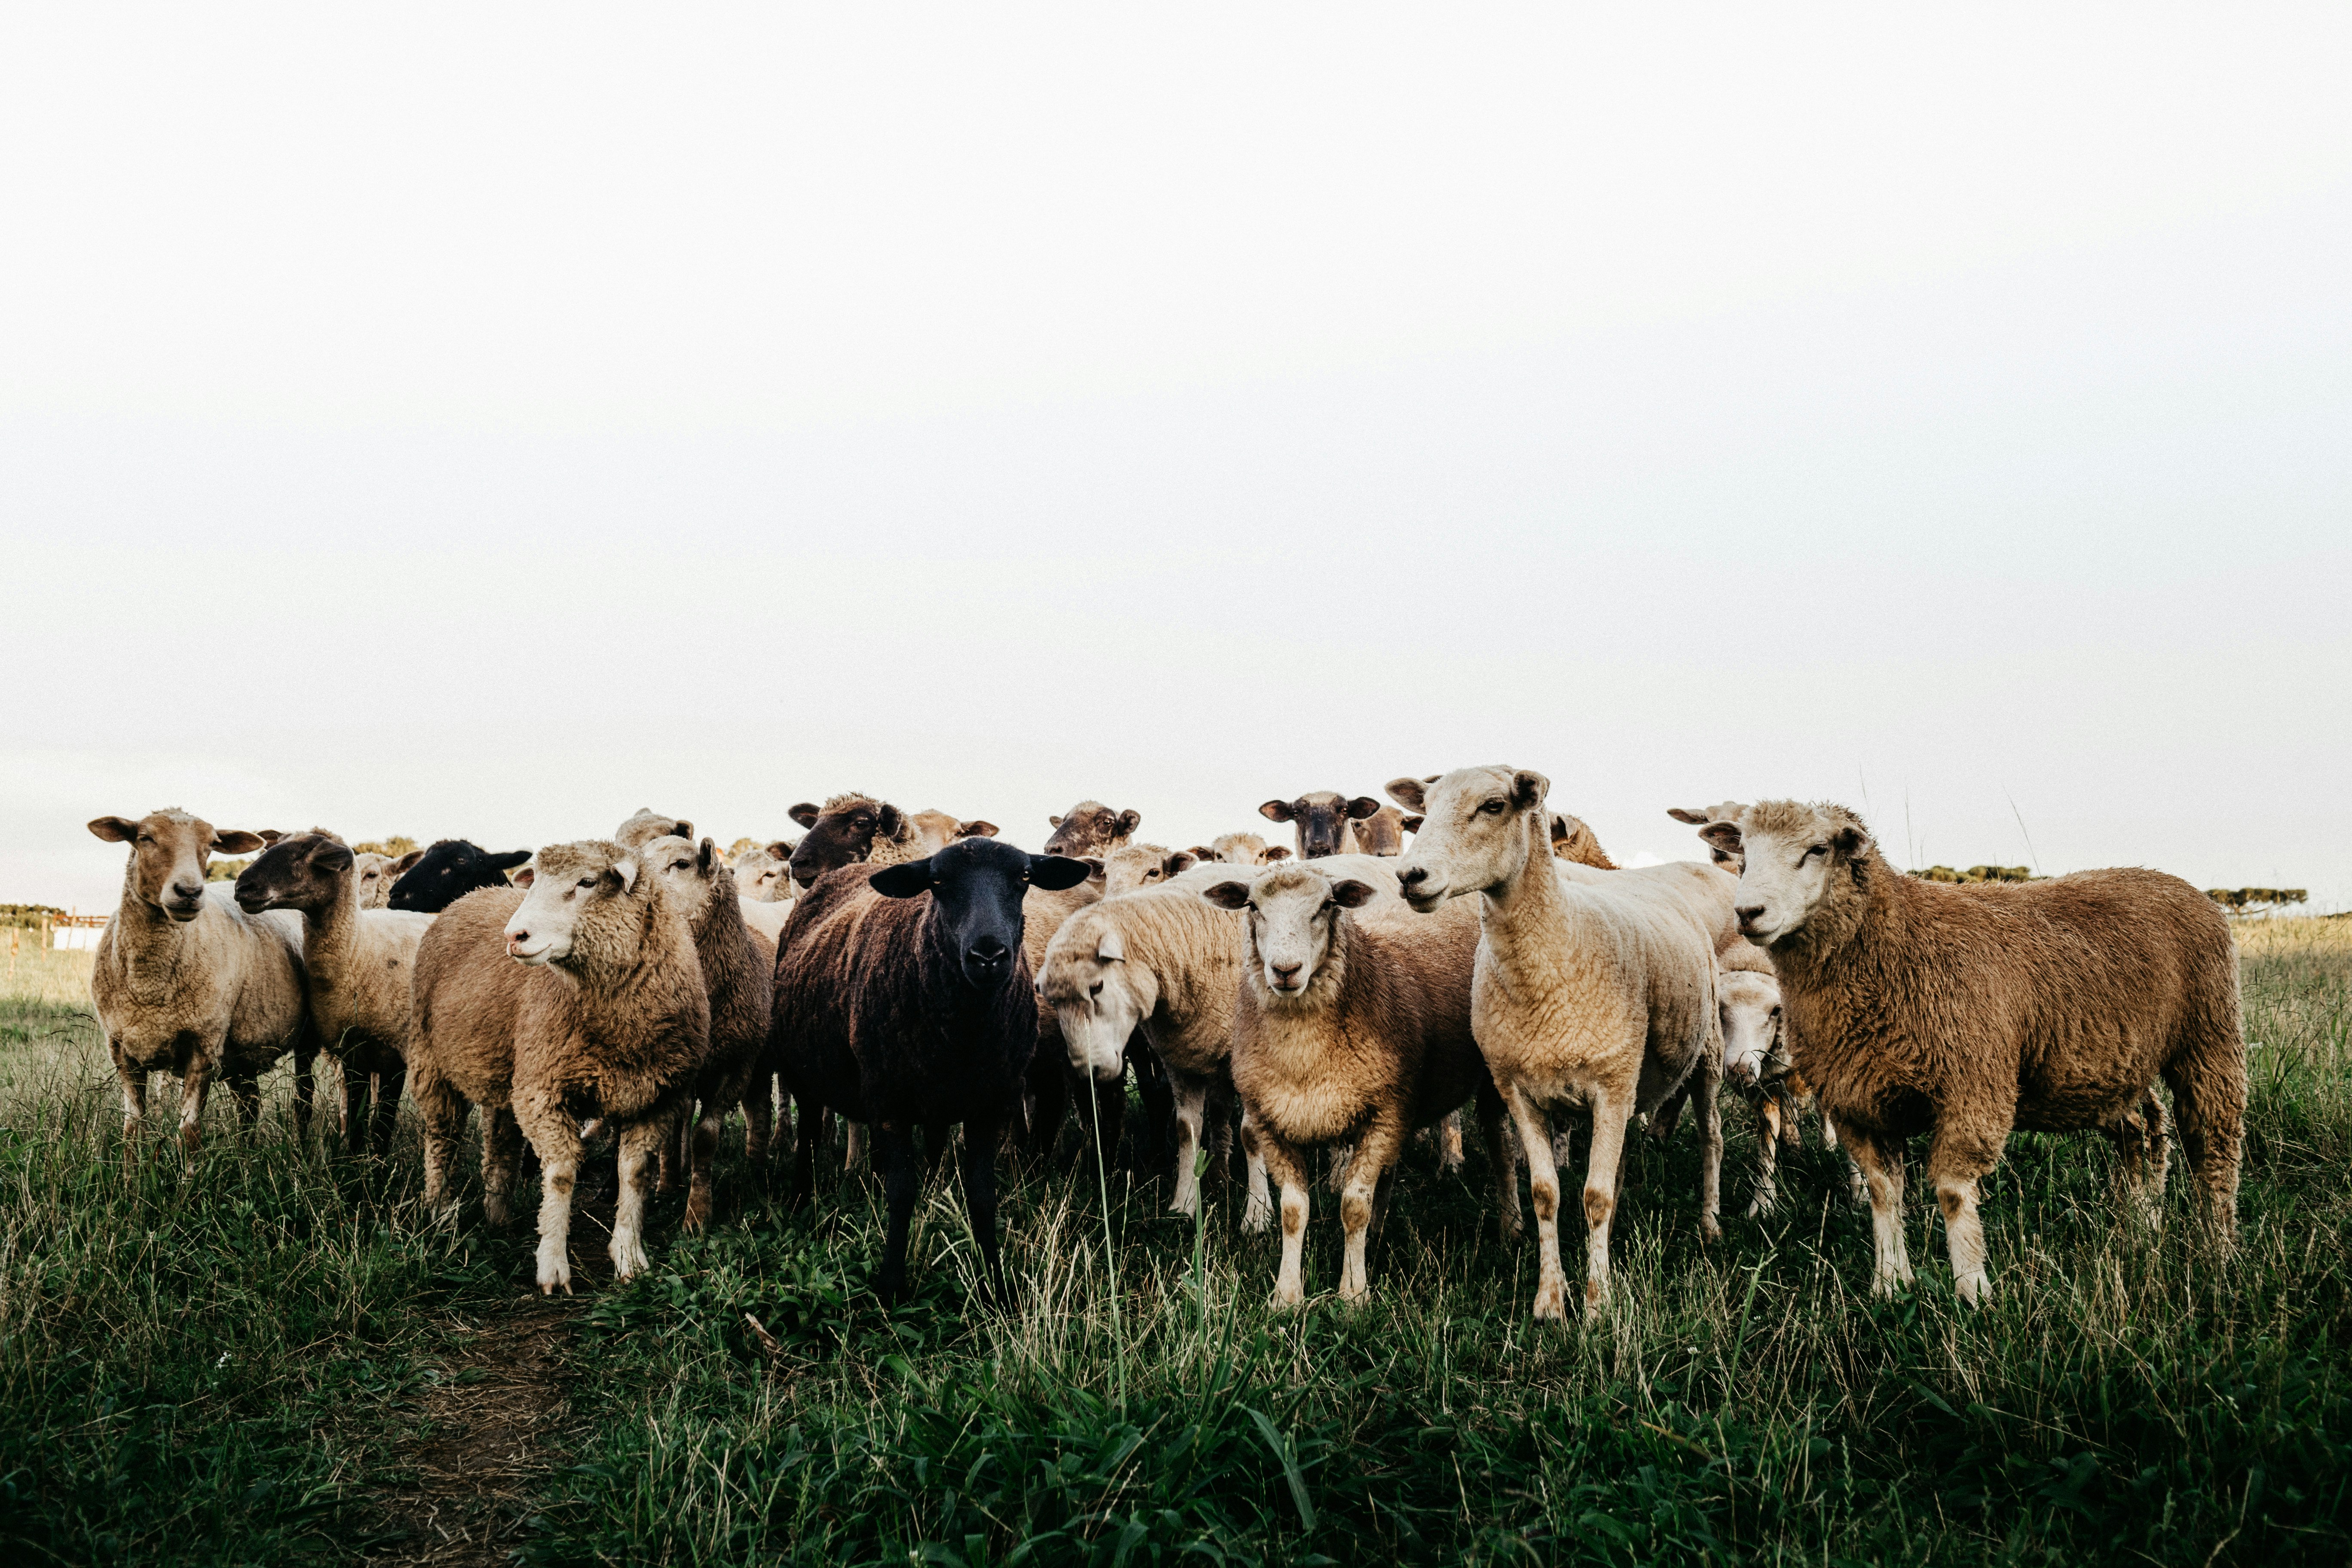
point(1288, 1169)
point(306, 1057)
point(977, 1162)
point(1880, 1161)
point(702, 1156)
point(555, 1139)
point(1503, 1153)
point(1957, 1160)
point(195, 1082)
point(502, 1153)
point(1612, 1114)
point(1192, 1114)
point(383, 1110)
point(351, 1116)
point(1449, 1142)
point(895, 1152)
point(1768, 1135)
point(1706, 1093)
point(133, 1080)
point(1376, 1151)
point(1543, 1189)
point(639, 1143)
point(854, 1148)
point(1257, 1213)
point(2140, 1172)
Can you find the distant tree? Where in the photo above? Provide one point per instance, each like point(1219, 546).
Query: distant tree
point(225, 871)
point(397, 846)
point(29, 916)
point(740, 846)
point(2256, 900)
point(1978, 873)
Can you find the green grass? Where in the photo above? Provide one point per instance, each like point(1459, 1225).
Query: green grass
point(225, 1365)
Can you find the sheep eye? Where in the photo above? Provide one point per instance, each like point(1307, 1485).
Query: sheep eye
point(1096, 989)
point(587, 881)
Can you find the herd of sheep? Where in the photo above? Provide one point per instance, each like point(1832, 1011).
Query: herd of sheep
point(911, 970)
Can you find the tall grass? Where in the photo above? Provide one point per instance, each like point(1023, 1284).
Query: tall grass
point(2124, 1398)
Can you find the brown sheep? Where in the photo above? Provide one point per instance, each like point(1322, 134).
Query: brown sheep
point(1572, 840)
point(1383, 833)
point(188, 983)
point(935, 830)
point(1090, 827)
point(852, 828)
point(573, 998)
point(1133, 865)
point(1321, 818)
point(1967, 1012)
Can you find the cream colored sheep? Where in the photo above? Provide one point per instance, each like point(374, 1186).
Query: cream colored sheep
point(938, 830)
point(186, 983)
point(1240, 849)
point(1593, 988)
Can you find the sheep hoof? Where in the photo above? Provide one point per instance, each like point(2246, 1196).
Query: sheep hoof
point(1762, 1206)
point(1976, 1290)
point(1288, 1300)
point(1710, 1229)
point(1552, 1302)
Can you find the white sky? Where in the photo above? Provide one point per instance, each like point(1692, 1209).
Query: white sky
point(485, 421)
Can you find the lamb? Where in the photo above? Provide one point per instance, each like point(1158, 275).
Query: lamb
point(848, 830)
point(899, 1009)
point(1383, 833)
point(739, 968)
point(1134, 865)
point(357, 964)
point(1090, 827)
point(1591, 986)
point(1240, 849)
point(1163, 962)
point(186, 983)
point(1321, 817)
point(574, 996)
point(447, 872)
point(1353, 1029)
point(935, 830)
point(1966, 1012)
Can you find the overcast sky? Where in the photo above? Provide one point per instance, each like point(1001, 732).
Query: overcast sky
point(485, 421)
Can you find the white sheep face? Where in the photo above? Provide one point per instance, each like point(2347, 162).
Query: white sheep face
point(1098, 999)
point(1749, 1008)
point(1791, 852)
point(1291, 914)
point(1474, 832)
point(688, 874)
point(562, 883)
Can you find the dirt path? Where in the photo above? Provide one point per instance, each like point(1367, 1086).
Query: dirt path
point(494, 1423)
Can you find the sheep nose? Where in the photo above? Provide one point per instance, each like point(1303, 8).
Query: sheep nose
point(1285, 974)
point(1748, 914)
point(188, 889)
point(1413, 875)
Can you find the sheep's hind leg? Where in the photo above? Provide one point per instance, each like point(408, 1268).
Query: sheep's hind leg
point(1957, 1161)
point(1192, 1113)
point(384, 1109)
point(758, 1117)
point(702, 1154)
point(1611, 1117)
point(1367, 1178)
point(1880, 1161)
point(638, 1141)
point(1543, 1188)
point(2141, 1147)
point(1503, 1152)
point(1768, 1157)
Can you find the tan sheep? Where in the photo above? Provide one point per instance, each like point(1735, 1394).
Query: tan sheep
point(1383, 833)
point(1353, 1029)
point(1572, 840)
point(935, 830)
point(185, 983)
point(1967, 1011)
point(1131, 867)
point(1090, 827)
point(1593, 987)
point(373, 875)
point(357, 967)
point(1240, 849)
point(574, 997)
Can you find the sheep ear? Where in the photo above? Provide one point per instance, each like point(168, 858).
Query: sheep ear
point(1275, 811)
point(1559, 827)
point(903, 881)
point(1684, 813)
point(1094, 864)
point(683, 830)
point(1407, 792)
point(709, 853)
point(1129, 821)
point(526, 876)
point(1052, 822)
point(236, 841)
point(270, 836)
point(1181, 862)
point(892, 820)
point(1227, 895)
point(1528, 786)
point(1412, 824)
point(115, 829)
point(1352, 894)
point(1362, 806)
point(977, 829)
point(1723, 835)
point(1110, 950)
point(333, 856)
point(402, 865)
point(625, 869)
point(507, 861)
point(1278, 852)
point(804, 813)
point(1202, 852)
point(1056, 872)
point(1852, 842)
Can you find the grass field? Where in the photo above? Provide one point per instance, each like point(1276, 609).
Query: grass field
point(269, 1358)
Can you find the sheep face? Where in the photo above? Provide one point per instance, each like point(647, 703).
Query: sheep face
point(1322, 817)
point(303, 872)
point(976, 887)
point(447, 872)
point(1748, 1006)
point(169, 852)
point(1794, 858)
point(1098, 998)
point(646, 825)
point(1241, 849)
point(1383, 833)
point(937, 829)
point(1090, 827)
point(376, 873)
point(840, 833)
point(692, 875)
point(1292, 914)
point(764, 876)
point(1137, 866)
point(1474, 831)
point(564, 886)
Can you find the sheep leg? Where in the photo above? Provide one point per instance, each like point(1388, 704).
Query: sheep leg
point(134, 1102)
point(384, 1109)
point(805, 1148)
point(701, 1133)
point(758, 1117)
point(1880, 1161)
point(1257, 1213)
point(977, 1162)
point(1342, 1155)
point(1449, 1141)
point(1956, 1160)
point(443, 1110)
point(245, 1092)
point(1158, 1098)
point(854, 1150)
point(895, 1153)
point(555, 1137)
point(1504, 1154)
point(2208, 1078)
point(675, 1153)
point(1612, 1115)
point(1543, 1187)
point(1768, 1117)
point(351, 1115)
point(502, 1153)
point(1191, 1111)
point(1367, 1176)
point(640, 1140)
point(195, 1083)
point(1283, 1164)
point(2140, 1147)
point(306, 1056)
point(1705, 1093)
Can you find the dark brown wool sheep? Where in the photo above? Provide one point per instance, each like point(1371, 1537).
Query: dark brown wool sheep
point(573, 998)
point(1966, 1012)
point(1090, 827)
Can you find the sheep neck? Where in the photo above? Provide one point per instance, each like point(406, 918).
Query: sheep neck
point(1524, 915)
point(330, 932)
point(1865, 893)
point(147, 945)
